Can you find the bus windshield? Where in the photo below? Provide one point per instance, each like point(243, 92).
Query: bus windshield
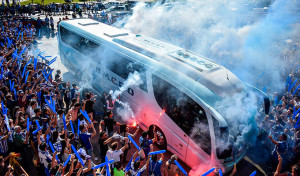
point(223, 147)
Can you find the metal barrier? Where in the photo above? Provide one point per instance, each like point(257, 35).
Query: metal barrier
point(17, 168)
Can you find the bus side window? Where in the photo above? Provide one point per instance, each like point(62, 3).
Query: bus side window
point(117, 63)
point(78, 42)
point(123, 67)
point(184, 111)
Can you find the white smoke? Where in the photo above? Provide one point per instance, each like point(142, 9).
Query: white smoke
point(85, 83)
point(133, 79)
point(245, 39)
point(240, 110)
point(125, 111)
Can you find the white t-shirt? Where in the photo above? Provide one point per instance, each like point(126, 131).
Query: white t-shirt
point(115, 155)
point(45, 157)
point(83, 122)
point(30, 111)
point(60, 124)
point(110, 107)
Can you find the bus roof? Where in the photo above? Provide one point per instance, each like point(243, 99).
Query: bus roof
point(215, 77)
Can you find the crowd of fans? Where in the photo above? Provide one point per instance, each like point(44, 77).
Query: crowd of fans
point(49, 117)
point(45, 122)
point(93, 10)
point(50, 9)
point(280, 129)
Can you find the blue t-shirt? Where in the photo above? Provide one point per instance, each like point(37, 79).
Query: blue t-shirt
point(154, 167)
point(85, 138)
point(39, 22)
point(145, 144)
point(281, 148)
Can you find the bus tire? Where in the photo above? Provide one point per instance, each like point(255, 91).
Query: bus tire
point(161, 142)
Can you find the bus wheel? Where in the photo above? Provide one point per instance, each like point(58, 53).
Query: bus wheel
point(161, 142)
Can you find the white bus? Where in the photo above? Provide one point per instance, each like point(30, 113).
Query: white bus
point(178, 92)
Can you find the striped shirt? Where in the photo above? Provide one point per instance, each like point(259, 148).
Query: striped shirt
point(58, 147)
point(11, 137)
point(60, 124)
point(45, 157)
point(136, 172)
point(3, 144)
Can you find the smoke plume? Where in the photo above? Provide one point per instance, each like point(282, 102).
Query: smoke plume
point(246, 39)
point(125, 111)
point(133, 79)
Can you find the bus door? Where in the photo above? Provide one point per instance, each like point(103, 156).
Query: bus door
point(184, 116)
point(201, 141)
point(172, 101)
point(179, 145)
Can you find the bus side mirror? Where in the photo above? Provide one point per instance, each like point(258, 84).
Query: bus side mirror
point(267, 105)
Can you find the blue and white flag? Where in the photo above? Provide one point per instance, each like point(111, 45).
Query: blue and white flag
point(52, 61)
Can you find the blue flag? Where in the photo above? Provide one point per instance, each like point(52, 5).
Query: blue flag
point(52, 61)
point(296, 90)
point(276, 101)
point(35, 63)
point(291, 86)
